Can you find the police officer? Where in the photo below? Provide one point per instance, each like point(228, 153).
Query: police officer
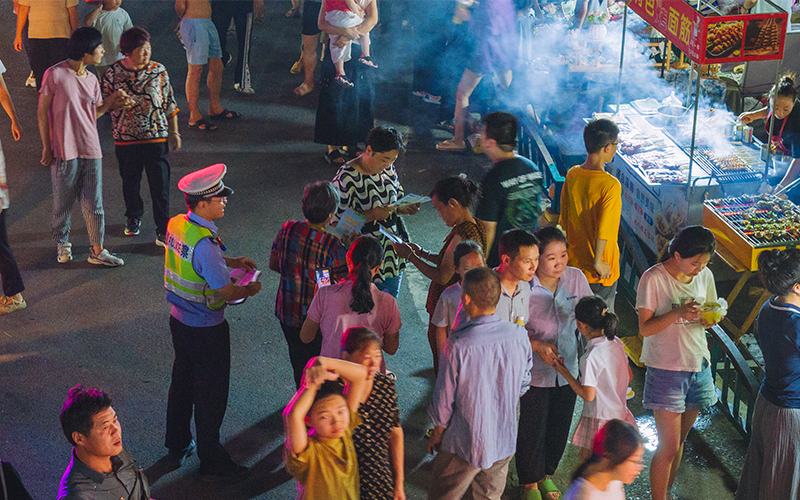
point(198, 287)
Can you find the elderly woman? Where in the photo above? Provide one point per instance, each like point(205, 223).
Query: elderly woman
point(452, 198)
point(369, 185)
point(379, 439)
point(144, 133)
point(772, 466)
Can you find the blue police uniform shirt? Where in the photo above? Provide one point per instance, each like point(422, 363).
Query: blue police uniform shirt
point(208, 263)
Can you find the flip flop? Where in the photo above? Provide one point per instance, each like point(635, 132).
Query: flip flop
point(226, 114)
point(548, 487)
point(203, 124)
point(449, 145)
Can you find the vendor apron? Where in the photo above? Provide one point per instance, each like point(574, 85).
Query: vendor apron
point(777, 140)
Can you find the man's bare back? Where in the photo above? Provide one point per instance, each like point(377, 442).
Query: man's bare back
point(193, 9)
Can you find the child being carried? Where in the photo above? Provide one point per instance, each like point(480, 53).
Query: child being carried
point(347, 14)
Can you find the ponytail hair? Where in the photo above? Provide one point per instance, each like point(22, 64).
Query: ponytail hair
point(365, 254)
point(785, 87)
point(779, 270)
point(593, 311)
point(616, 442)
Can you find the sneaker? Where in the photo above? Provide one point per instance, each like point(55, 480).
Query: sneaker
point(229, 474)
point(161, 240)
point(175, 458)
point(432, 99)
point(64, 252)
point(105, 258)
point(418, 93)
point(31, 81)
point(244, 90)
point(11, 304)
point(368, 62)
point(343, 82)
point(132, 226)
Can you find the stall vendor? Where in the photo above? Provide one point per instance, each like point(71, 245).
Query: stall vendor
point(786, 130)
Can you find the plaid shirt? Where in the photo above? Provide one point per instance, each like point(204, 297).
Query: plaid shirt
point(300, 251)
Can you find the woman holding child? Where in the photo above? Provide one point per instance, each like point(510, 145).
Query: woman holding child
point(453, 199)
point(546, 409)
point(678, 383)
point(369, 185)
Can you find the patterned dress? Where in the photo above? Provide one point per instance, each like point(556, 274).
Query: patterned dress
point(379, 414)
point(467, 230)
point(360, 193)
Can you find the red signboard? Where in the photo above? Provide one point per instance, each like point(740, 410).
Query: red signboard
point(715, 39)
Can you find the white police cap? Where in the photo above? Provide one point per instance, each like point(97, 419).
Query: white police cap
point(206, 182)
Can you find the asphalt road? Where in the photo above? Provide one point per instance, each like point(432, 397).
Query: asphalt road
point(108, 327)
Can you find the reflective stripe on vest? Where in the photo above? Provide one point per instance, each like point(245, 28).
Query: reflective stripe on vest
point(180, 277)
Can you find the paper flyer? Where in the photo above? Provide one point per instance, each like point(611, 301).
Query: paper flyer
point(389, 235)
point(241, 277)
point(411, 199)
point(350, 222)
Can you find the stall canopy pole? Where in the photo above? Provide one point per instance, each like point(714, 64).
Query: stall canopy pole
point(771, 122)
point(621, 55)
point(694, 127)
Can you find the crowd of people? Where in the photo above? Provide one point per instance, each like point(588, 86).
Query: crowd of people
point(521, 317)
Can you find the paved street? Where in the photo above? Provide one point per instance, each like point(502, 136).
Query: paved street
point(108, 327)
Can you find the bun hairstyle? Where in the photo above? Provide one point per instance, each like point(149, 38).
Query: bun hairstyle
point(594, 312)
point(365, 254)
point(617, 441)
point(458, 187)
point(785, 87)
point(779, 270)
point(690, 242)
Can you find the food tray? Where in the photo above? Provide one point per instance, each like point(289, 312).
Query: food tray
point(750, 224)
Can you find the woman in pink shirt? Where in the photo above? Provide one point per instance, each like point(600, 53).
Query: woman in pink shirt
point(355, 301)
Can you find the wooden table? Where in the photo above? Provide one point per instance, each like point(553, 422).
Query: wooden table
point(728, 258)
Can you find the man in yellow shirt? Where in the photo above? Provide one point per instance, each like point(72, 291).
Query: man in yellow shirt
point(591, 207)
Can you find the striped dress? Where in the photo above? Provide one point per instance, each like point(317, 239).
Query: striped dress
point(360, 193)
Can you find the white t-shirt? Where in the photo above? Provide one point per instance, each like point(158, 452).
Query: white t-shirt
point(604, 366)
point(448, 312)
point(581, 489)
point(681, 346)
point(111, 23)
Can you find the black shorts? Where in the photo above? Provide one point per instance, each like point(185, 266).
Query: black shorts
point(311, 10)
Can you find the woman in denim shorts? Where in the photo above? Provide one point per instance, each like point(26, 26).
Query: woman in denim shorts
point(678, 383)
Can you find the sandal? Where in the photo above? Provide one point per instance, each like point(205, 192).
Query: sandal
point(449, 145)
point(549, 490)
point(297, 67)
point(203, 124)
point(368, 62)
point(303, 89)
point(226, 115)
point(335, 157)
point(293, 12)
point(343, 82)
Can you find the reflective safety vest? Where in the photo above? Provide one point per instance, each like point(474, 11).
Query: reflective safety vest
point(180, 277)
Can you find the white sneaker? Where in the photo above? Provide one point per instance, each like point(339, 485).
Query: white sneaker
point(244, 90)
point(105, 258)
point(64, 252)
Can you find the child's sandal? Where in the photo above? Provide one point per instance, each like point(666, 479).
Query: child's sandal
point(367, 61)
point(343, 82)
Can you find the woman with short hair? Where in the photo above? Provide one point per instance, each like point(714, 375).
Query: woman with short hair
point(144, 133)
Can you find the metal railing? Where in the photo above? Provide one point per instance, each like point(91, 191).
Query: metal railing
point(531, 146)
point(734, 378)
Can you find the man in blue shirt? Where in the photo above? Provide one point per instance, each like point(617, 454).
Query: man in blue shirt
point(484, 369)
point(198, 287)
